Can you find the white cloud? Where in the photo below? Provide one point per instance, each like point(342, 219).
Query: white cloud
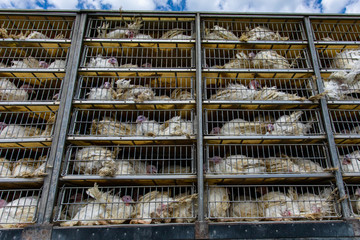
point(333, 6)
point(131, 4)
point(28, 4)
point(353, 7)
point(253, 5)
point(63, 4)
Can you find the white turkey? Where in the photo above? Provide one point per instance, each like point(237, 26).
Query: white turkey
point(351, 162)
point(101, 62)
point(355, 201)
point(28, 62)
point(217, 202)
point(281, 165)
point(240, 127)
point(125, 32)
point(152, 207)
point(270, 59)
point(236, 164)
point(308, 166)
point(278, 206)
point(129, 92)
point(241, 61)
point(347, 59)
point(261, 34)
point(104, 92)
point(176, 34)
point(16, 131)
point(335, 90)
point(9, 91)
point(49, 127)
point(104, 209)
point(146, 127)
point(19, 212)
point(58, 64)
point(237, 91)
point(289, 125)
point(314, 206)
point(347, 77)
point(219, 33)
point(111, 127)
point(179, 94)
point(25, 168)
point(271, 93)
point(36, 35)
point(90, 160)
point(176, 126)
point(183, 208)
point(355, 130)
point(5, 167)
point(244, 208)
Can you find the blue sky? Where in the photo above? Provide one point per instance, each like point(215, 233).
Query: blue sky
point(300, 6)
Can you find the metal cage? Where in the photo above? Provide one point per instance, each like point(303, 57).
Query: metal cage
point(344, 92)
point(58, 28)
point(253, 30)
point(137, 57)
point(349, 157)
point(138, 89)
point(30, 89)
point(345, 122)
point(331, 58)
point(130, 160)
point(20, 209)
point(126, 204)
point(258, 89)
point(243, 123)
point(272, 203)
point(246, 58)
point(132, 123)
point(266, 159)
point(336, 30)
point(26, 125)
point(140, 28)
point(23, 162)
point(353, 191)
point(33, 58)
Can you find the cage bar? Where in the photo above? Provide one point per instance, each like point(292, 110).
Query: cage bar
point(260, 89)
point(349, 156)
point(137, 57)
point(33, 58)
point(130, 160)
point(26, 124)
point(345, 122)
point(353, 191)
point(126, 204)
point(334, 58)
point(242, 123)
point(19, 207)
point(138, 89)
point(247, 58)
point(23, 162)
point(253, 30)
point(272, 203)
point(35, 29)
point(331, 30)
point(266, 159)
point(349, 92)
point(140, 123)
point(30, 89)
point(140, 28)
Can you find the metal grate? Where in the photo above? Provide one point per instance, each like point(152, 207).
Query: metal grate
point(341, 91)
point(33, 58)
point(272, 203)
point(141, 123)
point(336, 30)
point(235, 122)
point(138, 28)
point(33, 89)
point(137, 57)
point(261, 89)
point(345, 122)
point(338, 58)
point(284, 59)
point(353, 191)
point(121, 205)
point(253, 30)
point(26, 29)
point(266, 159)
point(23, 162)
point(130, 160)
point(135, 88)
point(26, 124)
point(349, 156)
point(18, 207)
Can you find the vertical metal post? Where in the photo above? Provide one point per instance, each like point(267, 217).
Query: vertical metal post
point(201, 230)
point(47, 201)
point(326, 121)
